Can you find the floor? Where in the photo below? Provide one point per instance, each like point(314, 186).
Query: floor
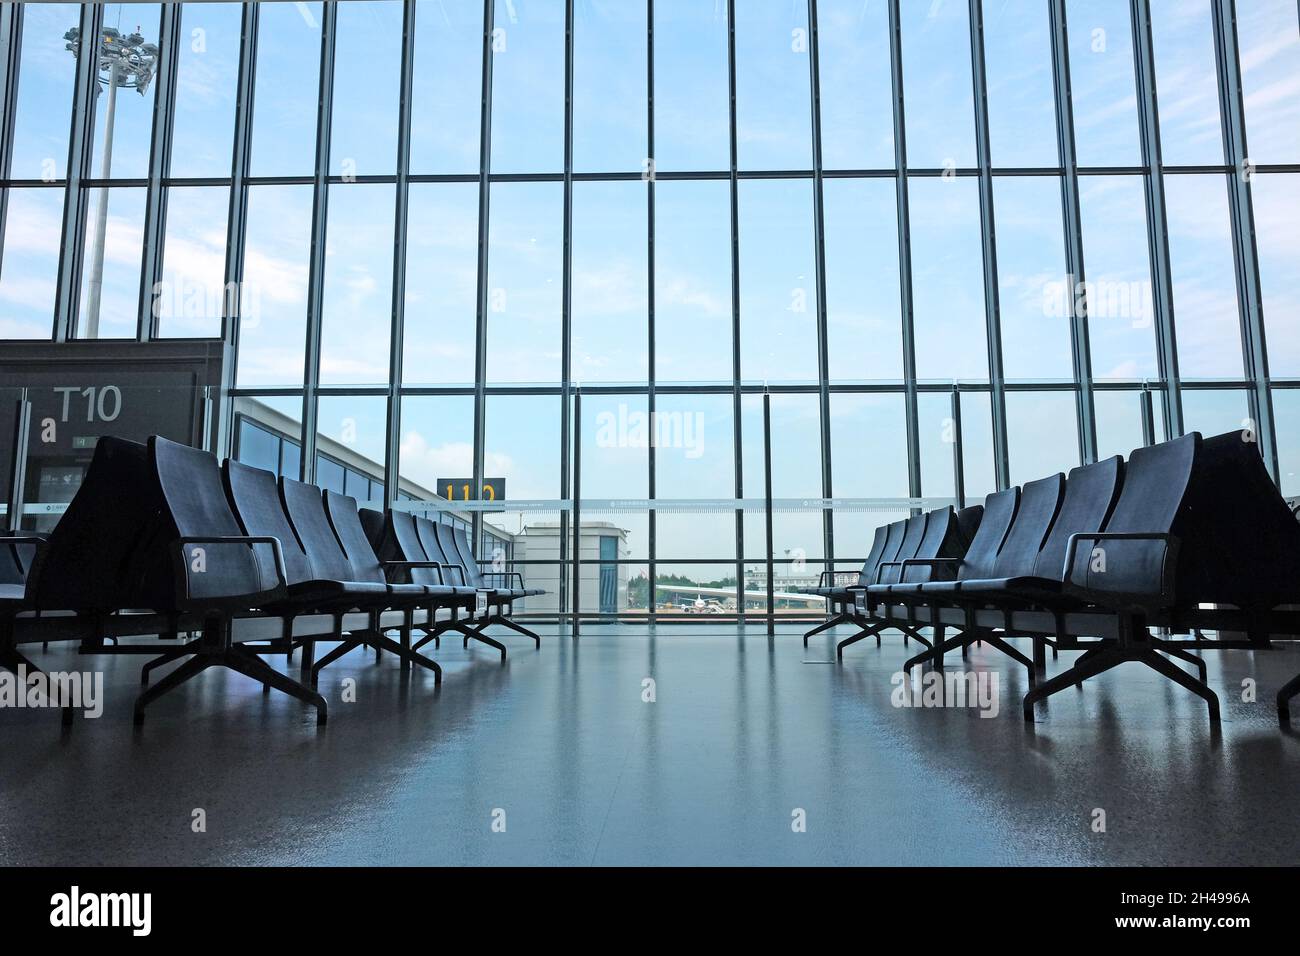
point(556, 757)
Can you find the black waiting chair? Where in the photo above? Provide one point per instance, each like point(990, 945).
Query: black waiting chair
point(435, 544)
point(405, 558)
point(837, 587)
point(500, 597)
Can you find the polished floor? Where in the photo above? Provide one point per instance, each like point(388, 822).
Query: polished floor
point(561, 747)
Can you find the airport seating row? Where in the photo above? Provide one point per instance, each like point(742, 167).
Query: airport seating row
point(1126, 561)
point(163, 541)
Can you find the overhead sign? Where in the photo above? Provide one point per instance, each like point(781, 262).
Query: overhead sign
point(462, 489)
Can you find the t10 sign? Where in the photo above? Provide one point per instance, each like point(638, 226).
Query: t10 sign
point(462, 489)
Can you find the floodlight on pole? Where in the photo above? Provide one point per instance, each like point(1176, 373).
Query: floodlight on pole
point(122, 61)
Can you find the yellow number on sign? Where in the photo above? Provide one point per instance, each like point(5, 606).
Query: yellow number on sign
point(490, 492)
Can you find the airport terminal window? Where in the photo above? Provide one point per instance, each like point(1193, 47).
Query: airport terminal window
point(132, 103)
point(1102, 83)
point(258, 447)
point(1119, 422)
point(528, 87)
point(447, 87)
point(286, 89)
point(203, 124)
point(1018, 67)
point(772, 76)
point(691, 86)
point(1183, 36)
point(363, 137)
point(856, 103)
point(609, 291)
point(940, 109)
point(43, 103)
point(29, 271)
point(110, 281)
point(190, 300)
point(1277, 211)
point(1268, 33)
point(609, 73)
point(1043, 434)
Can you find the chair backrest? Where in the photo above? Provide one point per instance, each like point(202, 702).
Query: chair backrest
point(1039, 502)
point(1090, 494)
point(306, 510)
point(913, 533)
point(455, 545)
point(93, 559)
point(427, 529)
point(195, 505)
point(404, 539)
point(16, 559)
point(376, 527)
point(255, 498)
point(346, 522)
point(873, 557)
point(893, 538)
point(968, 522)
point(999, 512)
point(942, 539)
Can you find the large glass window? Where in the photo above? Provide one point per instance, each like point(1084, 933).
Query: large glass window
point(367, 68)
point(286, 91)
point(441, 284)
point(948, 279)
point(1102, 86)
point(190, 300)
point(868, 460)
point(206, 77)
point(700, 465)
point(43, 104)
point(864, 329)
point(940, 110)
point(1043, 434)
point(691, 86)
point(124, 107)
point(1268, 33)
point(30, 267)
point(609, 291)
point(773, 108)
point(437, 443)
point(528, 86)
point(446, 87)
point(857, 111)
point(111, 262)
point(609, 87)
point(525, 283)
point(1183, 36)
point(1018, 70)
point(1276, 202)
point(693, 282)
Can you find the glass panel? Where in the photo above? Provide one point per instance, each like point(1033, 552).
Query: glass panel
point(1042, 434)
point(1286, 418)
point(441, 283)
point(1031, 265)
point(1182, 32)
point(256, 446)
point(1268, 36)
point(609, 87)
point(696, 589)
point(356, 313)
point(796, 473)
point(692, 88)
point(190, 299)
point(447, 88)
point(868, 460)
point(948, 279)
point(857, 111)
point(367, 79)
point(610, 293)
point(1018, 71)
point(437, 443)
point(940, 109)
point(1121, 326)
point(273, 299)
point(778, 286)
point(203, 124)
point(286, 90)
point(937, 442)
point(1276, 202)
point(43, 102)
point(110, 278)
point(121, 148)
point(700, 466)
point(773, 106)
point(693, 282)
point(30, 268)
point(864, 330)
point(978, 468)
point(269, 432)
point(616, 432)
point(1119, 422)
point(350, 430)
point(1205, 290)
point(525, 282)
point(1215, 411)
point(528, 87)
point(1103, 90)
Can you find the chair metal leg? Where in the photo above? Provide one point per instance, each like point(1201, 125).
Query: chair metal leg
point(351, 643)
point(834, 621)
point(507, 622)
point(1183, 655)
point(167, 657)
point(1102, 660)
point(191, 668)
point(1289, 690)
point(250, 665)
point(995, 641)
point(409, 657)
point(866, 632)
point(1179, 676)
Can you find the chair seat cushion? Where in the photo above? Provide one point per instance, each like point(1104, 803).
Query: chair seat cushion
point(1024, 587)
point(334, 592)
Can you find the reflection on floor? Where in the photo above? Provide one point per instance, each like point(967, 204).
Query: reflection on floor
point(562, 746)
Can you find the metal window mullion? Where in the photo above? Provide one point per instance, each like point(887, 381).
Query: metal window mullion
point(988, 233)
point(81, 136)
point(652, 542)
point(237, 218)
point(316, 277)
point(819, 256)
point(568, 417)
point(1071, 218)
point(397, 330)
point(736, 409)
point(480, 313)
point(1162, 291)
point(11, 19)
point(1250, 298)
point(155, 210)
point(904, 254)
